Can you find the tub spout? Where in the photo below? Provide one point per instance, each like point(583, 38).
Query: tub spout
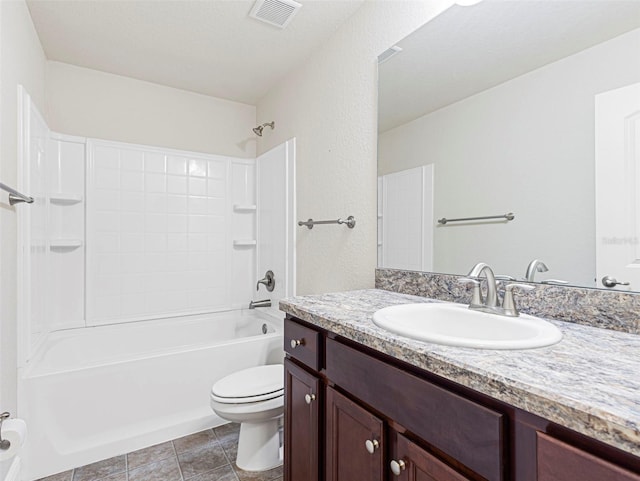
point(262, 303)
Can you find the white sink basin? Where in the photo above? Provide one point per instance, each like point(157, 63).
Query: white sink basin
point(457, 325)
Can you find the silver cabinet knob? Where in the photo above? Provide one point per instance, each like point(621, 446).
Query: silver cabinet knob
point(296, 342)
point(397, 466)
point(371, 445)
point(608, 281)
point(309, 398)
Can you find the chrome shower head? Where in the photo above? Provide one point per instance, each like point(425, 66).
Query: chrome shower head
point(258, 130)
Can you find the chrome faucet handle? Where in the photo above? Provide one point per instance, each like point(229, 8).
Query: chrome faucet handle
point(476, 296)
point(269, 281)
point(508, 304)
point(557, 282)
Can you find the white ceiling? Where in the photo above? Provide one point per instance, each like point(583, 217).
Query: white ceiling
point(211, 47)
point(466, 50)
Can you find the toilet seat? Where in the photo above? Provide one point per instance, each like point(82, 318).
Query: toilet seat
point(251, 385)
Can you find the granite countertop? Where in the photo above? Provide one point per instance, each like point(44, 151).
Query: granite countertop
point(588, 382)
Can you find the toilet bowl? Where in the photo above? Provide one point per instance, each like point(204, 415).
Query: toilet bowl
point(254, 398)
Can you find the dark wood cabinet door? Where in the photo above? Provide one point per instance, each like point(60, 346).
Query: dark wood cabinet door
point(302, 422)
point(412, 463)
point(558, 461)
point(355, 444)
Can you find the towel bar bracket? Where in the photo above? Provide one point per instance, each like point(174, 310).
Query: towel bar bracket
point(15, 197)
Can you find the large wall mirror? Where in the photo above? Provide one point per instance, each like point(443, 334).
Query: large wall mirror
point(524, 110)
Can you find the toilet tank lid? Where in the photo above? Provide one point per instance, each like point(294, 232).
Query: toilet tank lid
point(251, 382)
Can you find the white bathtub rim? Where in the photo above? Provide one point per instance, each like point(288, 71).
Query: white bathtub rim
point(35, 367)
point(272, 311)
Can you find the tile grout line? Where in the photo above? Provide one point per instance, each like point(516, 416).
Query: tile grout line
point(232, 464)
point(224, 452)
point(175, 451)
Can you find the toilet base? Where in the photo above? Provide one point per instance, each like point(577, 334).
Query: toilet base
point(259, 445)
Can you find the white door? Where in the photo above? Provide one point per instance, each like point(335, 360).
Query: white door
point(618, 188)
point(407, 219)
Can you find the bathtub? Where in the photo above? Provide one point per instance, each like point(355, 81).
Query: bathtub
point(97, 392)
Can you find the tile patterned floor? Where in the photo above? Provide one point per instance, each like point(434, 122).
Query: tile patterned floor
point(206, 456)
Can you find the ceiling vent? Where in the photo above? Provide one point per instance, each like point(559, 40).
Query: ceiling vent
point(275, 12)
point(388, 53)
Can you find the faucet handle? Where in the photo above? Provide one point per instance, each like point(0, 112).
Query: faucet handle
point(476, 296)
point(269, 281)
point(508, 304)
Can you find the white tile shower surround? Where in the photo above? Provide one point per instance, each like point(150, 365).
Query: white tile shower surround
point(205, 456)
point(159, 222)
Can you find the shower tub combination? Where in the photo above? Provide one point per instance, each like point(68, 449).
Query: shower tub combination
point(93, 393)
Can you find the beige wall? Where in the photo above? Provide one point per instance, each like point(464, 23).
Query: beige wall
point(329, 105)
point(22, 61)
point(90, 103)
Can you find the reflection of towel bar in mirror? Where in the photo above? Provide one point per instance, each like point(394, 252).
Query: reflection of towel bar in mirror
point(351, 222)
point(507, 217)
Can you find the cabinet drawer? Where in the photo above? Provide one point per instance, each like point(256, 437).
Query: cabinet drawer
point(302, 343)
point(464, 430)
point(558, 461)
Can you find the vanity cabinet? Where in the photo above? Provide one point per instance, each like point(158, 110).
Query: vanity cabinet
point(468, 432)
point(356, 447)
point(353, 413)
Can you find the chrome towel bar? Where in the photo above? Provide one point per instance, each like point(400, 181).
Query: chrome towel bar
point(507, 217)
point(351, 222)
point(14, 196)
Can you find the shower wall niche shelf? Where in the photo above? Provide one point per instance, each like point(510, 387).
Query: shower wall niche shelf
point(244, 208)
point(244, 243)
point(63, 198)
point(64, 243)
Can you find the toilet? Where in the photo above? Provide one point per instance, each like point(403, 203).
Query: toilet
point(254, 398)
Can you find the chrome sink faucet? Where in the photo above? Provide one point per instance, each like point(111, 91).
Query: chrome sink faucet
point(492, 290)
point(490, 304)
point(536, 265)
